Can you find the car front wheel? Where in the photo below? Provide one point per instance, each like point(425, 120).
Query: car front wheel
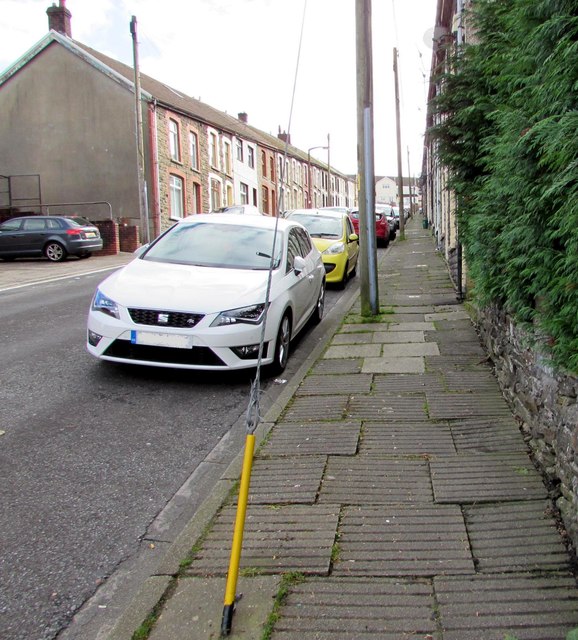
point(282, 346)
point(55, 252)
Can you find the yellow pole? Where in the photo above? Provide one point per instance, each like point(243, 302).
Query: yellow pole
point(233, 574)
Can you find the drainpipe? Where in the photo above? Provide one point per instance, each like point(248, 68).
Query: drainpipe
point(153, 143)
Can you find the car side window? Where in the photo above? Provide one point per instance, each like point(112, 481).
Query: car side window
point(11, 225)
point(349, 227)
point(293, 249)
point(34, 225)
point(304, 241)
point(53, 224)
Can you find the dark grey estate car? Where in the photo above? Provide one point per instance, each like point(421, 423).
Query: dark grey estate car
point(54, 237)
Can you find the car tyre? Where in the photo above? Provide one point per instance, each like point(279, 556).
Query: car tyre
point(345, 278)
point(282, 343)
point(55, 252)
point(319, 306)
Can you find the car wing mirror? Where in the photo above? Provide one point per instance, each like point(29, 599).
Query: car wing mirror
point(298, 265)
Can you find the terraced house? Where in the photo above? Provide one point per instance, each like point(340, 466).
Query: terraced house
point(68, 143)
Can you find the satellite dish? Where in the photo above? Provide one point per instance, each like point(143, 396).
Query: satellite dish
point(433, 35)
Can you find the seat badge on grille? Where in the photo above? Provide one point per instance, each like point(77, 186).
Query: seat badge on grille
point(163, 318)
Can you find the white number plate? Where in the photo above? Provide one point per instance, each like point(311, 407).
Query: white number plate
point(161, 339)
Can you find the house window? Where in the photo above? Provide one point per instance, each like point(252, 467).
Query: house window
point(213, 150)
point(194, 149)
point(244, 193)
point(228, 158)
point(272, 167)
point(196, 197)
point(230, 198)
point(174, 146)
point(264, 163)
point(265, 200)
point(215, 194)
point(239, 146)
point(251, 157)
point(177, 196)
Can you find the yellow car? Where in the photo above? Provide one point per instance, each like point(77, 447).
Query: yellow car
point(333, 234)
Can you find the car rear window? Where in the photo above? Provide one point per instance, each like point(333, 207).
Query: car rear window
point(80, 222)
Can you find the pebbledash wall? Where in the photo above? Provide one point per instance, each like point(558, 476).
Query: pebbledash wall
point(546, 403)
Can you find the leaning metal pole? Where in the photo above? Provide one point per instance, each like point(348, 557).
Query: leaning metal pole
point(366, 171)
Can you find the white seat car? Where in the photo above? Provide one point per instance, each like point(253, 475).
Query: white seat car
point(195, 297)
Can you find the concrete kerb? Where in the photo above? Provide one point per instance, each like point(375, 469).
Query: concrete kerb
point(156, 587)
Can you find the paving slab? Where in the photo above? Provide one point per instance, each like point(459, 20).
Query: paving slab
point(195, 609)
point(406, 439)
point(456, 362)
point(455, 406)
point(308, 408)
point(495, 607)
point(409, 349)
point(335, 365)
point(487, 435)
point(333, 385)
point(396, 337)
point(276, 539)
point(359, 337)
point(397, 540)
point(353, 351)
point(485, 477)
point(369, 480)
point(313, 438)
point(407, 383)
point(521, 536)
point(472, 381)
point(286, 480)
point(411, 408)
point(394, 365)
point(354, 608)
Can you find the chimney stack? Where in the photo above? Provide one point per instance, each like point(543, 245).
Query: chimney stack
point(243, 117)
point(59, 18)
point(284, 137)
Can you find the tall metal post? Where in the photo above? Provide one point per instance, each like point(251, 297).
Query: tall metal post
point(399, 169)
point(143, 205)
point(369, 296)
point(329, 194)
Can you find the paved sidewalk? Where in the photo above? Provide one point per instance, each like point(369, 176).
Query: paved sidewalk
point(393, 492)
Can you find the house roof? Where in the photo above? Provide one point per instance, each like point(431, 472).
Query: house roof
point(163, 94)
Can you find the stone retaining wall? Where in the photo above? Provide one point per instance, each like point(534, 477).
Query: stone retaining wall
point(545, 402)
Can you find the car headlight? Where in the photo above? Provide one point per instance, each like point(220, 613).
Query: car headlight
point(101, 303)
point(252, 314)
point(338, 247)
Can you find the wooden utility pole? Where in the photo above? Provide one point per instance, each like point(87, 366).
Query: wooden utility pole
point(142, 196)
point(369, 296)
point(399, 169)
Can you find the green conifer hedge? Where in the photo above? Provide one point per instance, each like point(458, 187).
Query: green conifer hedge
point(508, 134)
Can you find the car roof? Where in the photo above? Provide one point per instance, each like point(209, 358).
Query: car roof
point(234, 219)
point(328, 213)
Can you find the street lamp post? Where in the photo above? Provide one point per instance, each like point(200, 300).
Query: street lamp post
point(309, 202)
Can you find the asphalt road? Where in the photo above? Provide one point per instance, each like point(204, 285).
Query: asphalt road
point(99, 464)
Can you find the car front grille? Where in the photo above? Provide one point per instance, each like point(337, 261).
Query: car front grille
point(156, 318)
point(126, 350)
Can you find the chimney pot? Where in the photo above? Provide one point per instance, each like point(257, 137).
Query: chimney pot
point(243, 117)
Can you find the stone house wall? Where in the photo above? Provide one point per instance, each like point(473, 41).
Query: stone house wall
point(545, 402)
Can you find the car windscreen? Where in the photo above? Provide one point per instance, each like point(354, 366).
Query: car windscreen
point(320, 226)
point(217, 245)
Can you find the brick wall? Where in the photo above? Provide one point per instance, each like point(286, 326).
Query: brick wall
point(128, 237)
point(110, 236)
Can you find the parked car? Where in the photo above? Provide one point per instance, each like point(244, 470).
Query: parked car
point(333, 234)
point(381, 226)
point(387, 210)
point(195, 298)
point(54, 237)
point(246, 209)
